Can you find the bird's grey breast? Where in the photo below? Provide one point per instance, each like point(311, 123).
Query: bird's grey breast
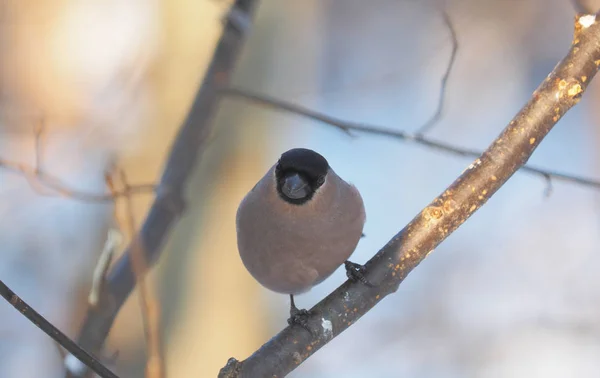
point(290, 248)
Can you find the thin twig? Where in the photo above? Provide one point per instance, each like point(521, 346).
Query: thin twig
point(113, 241)
point(170, 202)
point(444, 82)
point(35, 184)
point(148, 302)
point(47, 185)
point(38, 130)
point(37, 176)
point(348, 126)
point(62, 339)
point(561, 90)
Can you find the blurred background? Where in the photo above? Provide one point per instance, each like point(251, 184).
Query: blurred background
point(513, 293)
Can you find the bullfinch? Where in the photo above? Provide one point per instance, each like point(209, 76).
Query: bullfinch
point(298, 224)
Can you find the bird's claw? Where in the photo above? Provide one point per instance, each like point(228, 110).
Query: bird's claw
point(356, 273)
point(299, 317)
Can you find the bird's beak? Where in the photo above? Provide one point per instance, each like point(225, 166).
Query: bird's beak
point(295, 187)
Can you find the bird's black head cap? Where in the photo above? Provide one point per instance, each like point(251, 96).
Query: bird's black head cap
point(305, 166)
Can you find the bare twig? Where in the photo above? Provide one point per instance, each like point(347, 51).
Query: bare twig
point(169, 203)
point(348, 127)
point(62, 339)
point(36, 177)
point(38, 130)
point(549, 187)
point(47, 185)
point(148, 301)
point(113, 241)
point(444, 82)
point(35, 184)
point(96, 297)
point(561, 90)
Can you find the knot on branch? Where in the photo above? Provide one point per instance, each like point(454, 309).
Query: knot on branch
point(231, 369)
point(572, 89)
point(433, 214)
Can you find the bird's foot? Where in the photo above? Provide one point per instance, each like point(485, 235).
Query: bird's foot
point(297, 316)
point(356, 273)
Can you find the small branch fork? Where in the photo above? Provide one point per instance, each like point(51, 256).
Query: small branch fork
point(45, 184)
point(420, 139)
point(561, 90)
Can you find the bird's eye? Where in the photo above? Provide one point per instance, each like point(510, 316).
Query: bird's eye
point(294, 186)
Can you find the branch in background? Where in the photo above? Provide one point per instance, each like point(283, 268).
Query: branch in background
point(148, 302)
point(169, 203)
point(37, 177)
point(38, 132)
point(62, 339)
point(419, 139)
point(113, 241)
point(39, 180)
point(561, 90)
point(444, 82)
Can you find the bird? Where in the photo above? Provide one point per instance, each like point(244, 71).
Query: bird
point(298, 224)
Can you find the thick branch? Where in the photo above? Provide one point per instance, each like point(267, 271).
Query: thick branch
point(169, 203)
point(389, 267)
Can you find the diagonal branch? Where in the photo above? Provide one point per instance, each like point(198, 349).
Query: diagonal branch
point(170, 202)
point(62, 339)
point(561, 90)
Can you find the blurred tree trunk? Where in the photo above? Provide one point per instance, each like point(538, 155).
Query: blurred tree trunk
point(221, 308)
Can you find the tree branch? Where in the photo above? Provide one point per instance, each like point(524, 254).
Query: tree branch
point(444, 82)
point(37, 177)
point(147, 297)
point(561, 90)
point(170, 202)
point(62, 339)
point(348, 127)
point(48, 185)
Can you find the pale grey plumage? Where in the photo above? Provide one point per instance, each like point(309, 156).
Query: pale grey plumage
point(290, 247)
